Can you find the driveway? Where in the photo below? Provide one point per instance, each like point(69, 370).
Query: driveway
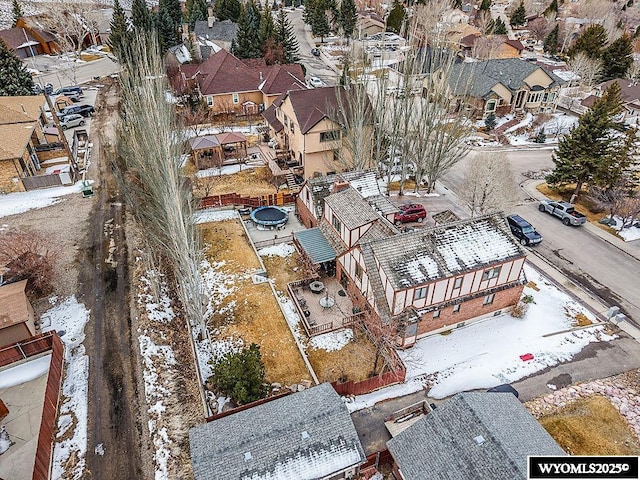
point(61, 73)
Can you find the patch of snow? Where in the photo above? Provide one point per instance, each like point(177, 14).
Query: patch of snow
point(332, 341)
point(212, 215)
point(20, 202)
point(99, 450)
point(70, 317)
point(5, 441)
point(280, 250)
point(291, 316)
point(225, 170)
point(487, 353)
point(526, 121)
point(551, 386)
point(24, 372)
point(628, 233)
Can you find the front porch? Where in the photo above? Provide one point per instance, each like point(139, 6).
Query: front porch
point(323, 304)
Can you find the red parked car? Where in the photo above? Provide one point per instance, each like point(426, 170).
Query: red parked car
point(410, 213)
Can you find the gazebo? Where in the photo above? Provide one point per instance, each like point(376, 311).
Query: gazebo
point(234, 144)
point(206, 151)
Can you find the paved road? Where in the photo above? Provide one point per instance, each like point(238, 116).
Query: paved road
point(85, 72)
point(596, 265)
point(314, 65)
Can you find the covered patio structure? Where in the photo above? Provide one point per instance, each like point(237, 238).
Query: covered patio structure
point(206, 151)
point(234, 146)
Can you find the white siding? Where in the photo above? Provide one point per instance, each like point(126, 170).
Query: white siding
point(467, 283)
point(504, 272)
point(440, 292)
point(515, 270)
point(399, 305)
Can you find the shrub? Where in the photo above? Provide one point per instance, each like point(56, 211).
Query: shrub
point(519, 310)
point(240, 375)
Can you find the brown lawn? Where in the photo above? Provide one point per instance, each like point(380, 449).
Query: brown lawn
point(591, 426)
point(355, 360)
point(251, 182)
point(256, 317)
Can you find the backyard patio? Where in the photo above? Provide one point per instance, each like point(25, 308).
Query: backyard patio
point(323, 305)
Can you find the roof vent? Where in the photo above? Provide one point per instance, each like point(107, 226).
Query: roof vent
point(479, 440)
point(305, 435)
point(247, 456)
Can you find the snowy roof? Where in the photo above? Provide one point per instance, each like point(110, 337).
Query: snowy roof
point(302, 436)
point(364, 182)
point(349, 206)
point(476, 435)
point(416, 258)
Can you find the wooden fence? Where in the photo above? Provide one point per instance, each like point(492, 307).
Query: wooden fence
point(370, 466)
point(370, 384)
point(41, 181)
point(35, 346)
point(273, 241)
point(278, 199)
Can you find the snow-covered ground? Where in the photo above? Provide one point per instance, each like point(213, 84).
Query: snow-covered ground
point(19, 202)
point(628, 234)
point(560, 124)
point(68, 318)
point(487, 353)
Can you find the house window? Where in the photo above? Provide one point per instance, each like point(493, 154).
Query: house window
point(337, 224)
point(330, 136)
point(210, 100)
point(534, 97)
point(488, 300)
point(491, 273)
point(419, 293)
point(336, 156)
point(551, 97)
point(436, 313)
point(457, 283)
point(358, 271)
point(236, 98)
point(456, 308)
point(491, 106)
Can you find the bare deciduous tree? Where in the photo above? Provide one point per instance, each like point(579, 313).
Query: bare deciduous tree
point(634, 71)
point(586, 68)
point(194, 120)
point(488, 184)
point(539, 28)
point(486, 48)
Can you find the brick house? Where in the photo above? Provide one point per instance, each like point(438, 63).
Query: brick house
point(502, 86)
point(304, 435)
point(485, 436)
point(228, 85)
point(22, 120)
point(423, 282)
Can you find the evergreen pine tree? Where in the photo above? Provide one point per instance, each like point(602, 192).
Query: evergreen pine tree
point(166, 28)
point(267, 26)
point(227, 10)
point(617, 58)
point(552, 9)
point(15, 78)
point(456, 3)
point(348, 16)
point(197, 10)
point(248, 37)
point(172, 7)
point(586, 149)
point(319, 21)
point(485, 5)
point(285, 36)
point(16, 11)
point(307, 13)
point(500, 28)
point(118, 37)
point(591, 42)
point(519, 16)
point(140, 16)
point(490, 122)
point(551, 42)
point(240, 375)
point(395, 20)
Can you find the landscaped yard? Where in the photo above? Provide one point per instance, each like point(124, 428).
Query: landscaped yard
point(249, 182)
point(242, 310)
point(591, 426)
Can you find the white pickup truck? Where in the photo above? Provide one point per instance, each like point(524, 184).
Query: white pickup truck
point(564, 211)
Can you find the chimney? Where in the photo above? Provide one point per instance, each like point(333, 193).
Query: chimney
point(185, 32)
point(210, 18)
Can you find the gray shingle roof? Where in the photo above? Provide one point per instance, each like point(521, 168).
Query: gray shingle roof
point(478, 78)
point(224, 31)
point(443, 445)
point(353, 210)
point(415, 258)
point(272, 436)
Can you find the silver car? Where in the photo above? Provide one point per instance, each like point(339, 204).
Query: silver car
point(71, 121)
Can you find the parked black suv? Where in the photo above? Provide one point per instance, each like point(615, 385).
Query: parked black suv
point(523, 230)
point(84, 110)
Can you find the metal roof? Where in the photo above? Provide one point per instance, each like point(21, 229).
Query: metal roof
point(315, 245)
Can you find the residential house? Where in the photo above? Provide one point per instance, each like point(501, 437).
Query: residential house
point(630, 93)
point(39, 26)
point(455, 16)
point(17, 319)
point(383, 48)
point(228, 85)
point(309, 124)
point(303, 436)
point(22, 120)
point(486, 47)
point(476, 435)
point(421, 282)
point(215, 35)
point(369, 23)
point(503, 86)
point(25, 42)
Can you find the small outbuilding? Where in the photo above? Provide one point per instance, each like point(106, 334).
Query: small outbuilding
point(17, 319)
point(302, 436)
point(206, 151)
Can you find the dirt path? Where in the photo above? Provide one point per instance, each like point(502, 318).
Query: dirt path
point(113, 399)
